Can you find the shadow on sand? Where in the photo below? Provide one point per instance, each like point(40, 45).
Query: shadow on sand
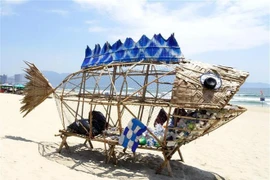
point(82, 159)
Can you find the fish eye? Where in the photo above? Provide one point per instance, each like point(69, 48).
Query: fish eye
point(211, 81)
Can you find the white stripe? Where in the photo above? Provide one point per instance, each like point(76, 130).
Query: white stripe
point(130, 144)
point(137, 129)
point(129, 134)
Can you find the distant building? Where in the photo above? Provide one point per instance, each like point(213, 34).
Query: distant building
point(10, 80)
point(24, 80)
point(18, 79)
point(3, 79)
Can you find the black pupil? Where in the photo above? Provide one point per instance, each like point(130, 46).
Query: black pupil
point(210, 83)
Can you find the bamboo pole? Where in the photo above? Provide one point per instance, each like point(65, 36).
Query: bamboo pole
point(141, 109)
point(90, 121)
point(78, 104)
point(112, 91)
point(129, 111)
point(84, 79)
point(155, 137)
point(166, 129)
point(119, 119)
point(155, 98)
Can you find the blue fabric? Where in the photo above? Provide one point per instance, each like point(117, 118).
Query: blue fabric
point(155, 49)
point(131, 134)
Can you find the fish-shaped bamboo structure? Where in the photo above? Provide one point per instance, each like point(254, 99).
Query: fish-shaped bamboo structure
point(149, 83)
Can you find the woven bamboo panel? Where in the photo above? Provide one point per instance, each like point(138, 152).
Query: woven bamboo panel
point(188, 91)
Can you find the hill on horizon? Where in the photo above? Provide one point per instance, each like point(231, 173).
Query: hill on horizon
point(55, 78)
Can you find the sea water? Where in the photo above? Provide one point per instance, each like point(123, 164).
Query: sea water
point(251, 97)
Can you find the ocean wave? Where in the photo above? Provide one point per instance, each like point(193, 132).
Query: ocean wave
point(249, 101)
point(250, 95)
point(247, 95)
point(235, 98)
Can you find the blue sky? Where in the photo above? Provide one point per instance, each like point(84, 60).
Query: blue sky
point(54, 34)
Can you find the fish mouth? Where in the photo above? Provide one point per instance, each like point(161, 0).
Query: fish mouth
point(189, 124)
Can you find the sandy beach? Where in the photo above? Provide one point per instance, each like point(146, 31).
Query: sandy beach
point(239, 150)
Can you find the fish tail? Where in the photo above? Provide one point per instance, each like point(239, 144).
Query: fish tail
point(36, 90)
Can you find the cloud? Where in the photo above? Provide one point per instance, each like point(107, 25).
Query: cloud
point(59, 12)
point(7, 6)
point(97, 29)
point(198, 26)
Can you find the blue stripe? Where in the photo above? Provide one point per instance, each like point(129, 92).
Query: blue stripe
point(126, 131)
point(141, 131)
point(125, 142)
point(134, 147)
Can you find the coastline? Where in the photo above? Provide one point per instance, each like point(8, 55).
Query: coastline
point(237, 150)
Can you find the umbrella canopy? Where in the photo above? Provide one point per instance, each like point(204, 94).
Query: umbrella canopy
point(19, 86)
point(6, 85)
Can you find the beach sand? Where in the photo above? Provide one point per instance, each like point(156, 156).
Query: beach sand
point(239, 150)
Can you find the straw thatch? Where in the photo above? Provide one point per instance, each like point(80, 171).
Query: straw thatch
point(36, 90)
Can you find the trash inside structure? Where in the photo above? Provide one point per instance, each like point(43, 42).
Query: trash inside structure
point(139, 95)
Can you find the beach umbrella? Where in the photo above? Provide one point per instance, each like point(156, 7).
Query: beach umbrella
point(19, 86)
